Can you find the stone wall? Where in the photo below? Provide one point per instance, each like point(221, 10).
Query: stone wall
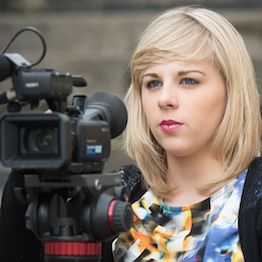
point(27, 5)
point(99, 45)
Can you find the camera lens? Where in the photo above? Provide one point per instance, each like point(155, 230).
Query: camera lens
point(40, 141)
point(44, 139)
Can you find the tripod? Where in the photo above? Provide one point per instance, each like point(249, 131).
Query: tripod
point(100, 212)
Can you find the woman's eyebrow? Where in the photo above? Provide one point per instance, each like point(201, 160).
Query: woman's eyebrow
point(150, 74)
point(180, 73)
point(185, 72)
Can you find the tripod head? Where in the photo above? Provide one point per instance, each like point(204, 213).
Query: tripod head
point(74, 229)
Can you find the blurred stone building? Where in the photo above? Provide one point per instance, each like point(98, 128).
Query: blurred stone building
point(96, 38)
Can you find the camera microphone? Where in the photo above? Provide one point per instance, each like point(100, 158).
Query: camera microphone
point(5, 72)
point(8, 64)
point(5, 68)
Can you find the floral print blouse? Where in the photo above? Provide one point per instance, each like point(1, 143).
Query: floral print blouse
point(206, 231)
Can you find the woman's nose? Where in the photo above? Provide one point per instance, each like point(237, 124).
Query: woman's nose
point(168, 97)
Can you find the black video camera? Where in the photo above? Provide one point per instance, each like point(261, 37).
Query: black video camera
point(61, 151)
point(64, 143)
point(72, 139)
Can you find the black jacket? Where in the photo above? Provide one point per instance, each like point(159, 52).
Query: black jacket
point(18, 244)
point(250, 215)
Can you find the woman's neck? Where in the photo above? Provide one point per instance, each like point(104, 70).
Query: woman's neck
point(188, 175)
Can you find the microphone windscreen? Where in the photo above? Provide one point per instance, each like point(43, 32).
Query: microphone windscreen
point(5, 68)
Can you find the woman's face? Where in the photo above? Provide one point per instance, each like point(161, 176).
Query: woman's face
point(184, 103)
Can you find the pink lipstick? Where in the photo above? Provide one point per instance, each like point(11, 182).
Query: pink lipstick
point(170, 125)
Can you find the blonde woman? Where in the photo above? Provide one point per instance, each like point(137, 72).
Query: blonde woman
point(194, 128)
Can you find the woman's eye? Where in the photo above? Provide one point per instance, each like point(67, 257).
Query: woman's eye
point(188, 81)
point(153, 84)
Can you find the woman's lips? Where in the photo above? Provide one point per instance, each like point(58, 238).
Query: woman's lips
point(170, 125)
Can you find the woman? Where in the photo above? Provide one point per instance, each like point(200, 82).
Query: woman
point(194, 128)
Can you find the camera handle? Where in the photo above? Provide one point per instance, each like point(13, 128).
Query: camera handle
point(76, 235)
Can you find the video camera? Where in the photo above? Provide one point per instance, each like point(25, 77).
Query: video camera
point(61, 151)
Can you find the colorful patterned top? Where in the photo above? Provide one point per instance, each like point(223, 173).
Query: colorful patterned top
point(206, 231)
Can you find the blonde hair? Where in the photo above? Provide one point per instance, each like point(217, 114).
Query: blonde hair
point(195, 33)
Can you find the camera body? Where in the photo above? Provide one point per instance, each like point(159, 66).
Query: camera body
point(54, 142)
point(73, 139)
